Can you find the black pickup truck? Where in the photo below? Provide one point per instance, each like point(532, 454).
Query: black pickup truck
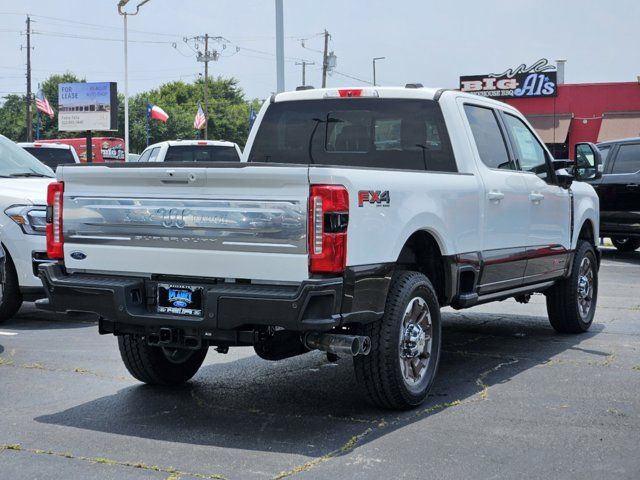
point(619, 192)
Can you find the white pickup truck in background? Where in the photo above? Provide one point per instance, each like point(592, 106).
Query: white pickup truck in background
point(191, 151)
point(355, 216)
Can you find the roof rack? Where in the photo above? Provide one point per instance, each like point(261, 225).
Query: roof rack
point(414, 85)
point(304, 87)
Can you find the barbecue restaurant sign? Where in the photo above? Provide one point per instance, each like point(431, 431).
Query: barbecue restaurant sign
point(537, 80)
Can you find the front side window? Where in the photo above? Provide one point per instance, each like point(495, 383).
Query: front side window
point(356, 132)
point(604, 152)
point(488, 137)
point(628, 159)
point(528, 151)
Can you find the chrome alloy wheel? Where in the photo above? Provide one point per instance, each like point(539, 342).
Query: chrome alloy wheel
point(585, 287)
point(3, 277)
point(415, 342)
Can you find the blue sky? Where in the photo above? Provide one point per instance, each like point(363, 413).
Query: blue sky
point(432, 42)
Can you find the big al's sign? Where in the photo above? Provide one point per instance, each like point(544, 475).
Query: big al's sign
point(537, 80)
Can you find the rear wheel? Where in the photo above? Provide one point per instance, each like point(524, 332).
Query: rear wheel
point(405, 345)
point(626, 244)
point(10, 296)
point(571, 303)
point(159, 365)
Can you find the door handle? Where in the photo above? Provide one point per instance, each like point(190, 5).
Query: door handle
point(536, 197)
point(495, 196)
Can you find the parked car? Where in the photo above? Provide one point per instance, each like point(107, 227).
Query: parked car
point(619, 192)
point(192, 151)
point(339, 233)
point(23, 190)
point(51, 154)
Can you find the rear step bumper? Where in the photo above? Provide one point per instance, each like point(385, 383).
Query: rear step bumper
point(128, 304)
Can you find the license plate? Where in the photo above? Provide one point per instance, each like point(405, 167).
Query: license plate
point(180, 300)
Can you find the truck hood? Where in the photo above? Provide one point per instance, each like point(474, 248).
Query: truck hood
point(24, 191)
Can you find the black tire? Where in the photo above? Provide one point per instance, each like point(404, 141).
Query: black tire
point(155, 365)
point(381, 372)
point(10, 296)
point(567, 313)
point(626, 244)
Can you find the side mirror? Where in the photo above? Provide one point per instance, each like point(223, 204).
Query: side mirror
point(588, 162)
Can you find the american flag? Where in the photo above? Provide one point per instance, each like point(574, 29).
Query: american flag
point(42, 104)
point(200, 119)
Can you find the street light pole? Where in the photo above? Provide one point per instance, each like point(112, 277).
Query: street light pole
point(374, 68)
point(124, 14)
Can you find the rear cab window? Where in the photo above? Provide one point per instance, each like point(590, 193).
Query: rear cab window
point(201, 153)
point(356, 132)
point(52, 157)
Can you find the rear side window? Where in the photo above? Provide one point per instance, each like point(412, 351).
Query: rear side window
point(628, 159)
point(488, 136)
point(201, 153)
point(356, 132)
point(52, 157)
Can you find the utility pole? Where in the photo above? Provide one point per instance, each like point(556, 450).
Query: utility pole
point(304, 64)
point(28, 99)
point(325, 59)
point(279, 46)
point(375, 59)
point(206, 86)
point(205, 57)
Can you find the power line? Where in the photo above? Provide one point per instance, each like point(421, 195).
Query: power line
point(353, 77)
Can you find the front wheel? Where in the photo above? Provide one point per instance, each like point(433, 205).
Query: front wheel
point(10, 296)
point(405, 345)
point(626, 244)
point(159, 365)
point(571, 302)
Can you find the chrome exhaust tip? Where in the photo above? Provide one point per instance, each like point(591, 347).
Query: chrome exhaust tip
point(338, 344)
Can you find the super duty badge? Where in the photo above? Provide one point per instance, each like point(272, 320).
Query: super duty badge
point(375, 197)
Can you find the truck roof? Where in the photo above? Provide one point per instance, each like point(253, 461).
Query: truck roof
point(62, 146)
point(186, 143)
point(411, 91)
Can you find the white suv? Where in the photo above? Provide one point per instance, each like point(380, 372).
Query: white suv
point(52, 154)
point(192, 151)
point(23, 192)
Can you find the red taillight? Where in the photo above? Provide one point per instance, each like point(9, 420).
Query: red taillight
point(55, 239)
point(203, 143)
point(328, 218)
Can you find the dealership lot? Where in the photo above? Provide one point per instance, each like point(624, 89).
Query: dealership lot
point(512, 398)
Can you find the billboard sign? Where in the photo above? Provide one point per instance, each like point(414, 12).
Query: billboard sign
point(87, 106)
point(537, 80)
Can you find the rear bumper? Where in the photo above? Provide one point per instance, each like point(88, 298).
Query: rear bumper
point(128, 304)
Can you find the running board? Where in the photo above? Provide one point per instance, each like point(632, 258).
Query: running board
point(470, 299)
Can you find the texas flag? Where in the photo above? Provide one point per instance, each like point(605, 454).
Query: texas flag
point(154, 111)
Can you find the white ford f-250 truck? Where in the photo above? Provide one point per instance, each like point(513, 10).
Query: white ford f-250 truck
point(355, 215)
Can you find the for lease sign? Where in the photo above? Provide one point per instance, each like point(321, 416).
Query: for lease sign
point(538, 80)
point(87, 106)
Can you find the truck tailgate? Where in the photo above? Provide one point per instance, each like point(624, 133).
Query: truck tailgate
point(242, 222)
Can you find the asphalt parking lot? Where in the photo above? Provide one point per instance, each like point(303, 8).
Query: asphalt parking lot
point(513, 399)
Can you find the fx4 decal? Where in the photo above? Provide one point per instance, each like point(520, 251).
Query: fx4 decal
point(377, 197)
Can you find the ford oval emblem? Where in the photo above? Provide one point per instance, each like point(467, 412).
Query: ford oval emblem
point(179, 304)
point(78, 255)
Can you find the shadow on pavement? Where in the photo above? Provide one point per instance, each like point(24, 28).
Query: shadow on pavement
point(30, 318)
point(613, 255)
point(308, 406)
